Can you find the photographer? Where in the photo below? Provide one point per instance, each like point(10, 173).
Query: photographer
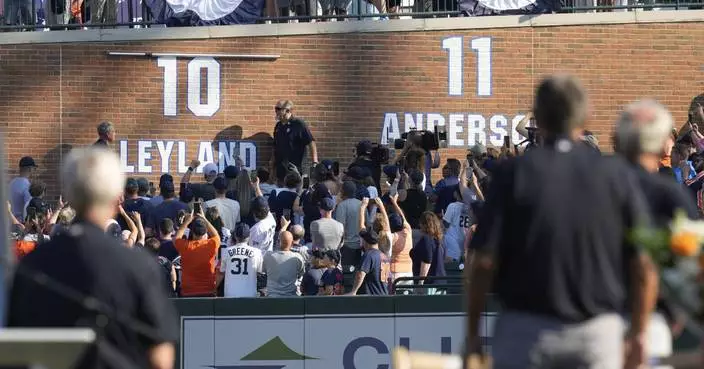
point(364, 159)
point(418, 154)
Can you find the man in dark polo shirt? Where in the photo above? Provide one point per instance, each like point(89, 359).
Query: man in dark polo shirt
point(559, 236)
point(291, 136)
point(86, 278)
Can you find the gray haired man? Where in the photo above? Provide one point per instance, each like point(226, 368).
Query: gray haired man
point(554, 238)
point(106, 134)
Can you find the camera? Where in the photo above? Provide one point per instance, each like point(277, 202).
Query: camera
point(428, 140)
point(380, 154)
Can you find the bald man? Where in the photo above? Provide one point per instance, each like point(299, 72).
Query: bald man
point(283, 268)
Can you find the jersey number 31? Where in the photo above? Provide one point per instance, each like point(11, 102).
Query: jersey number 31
point(239, 266)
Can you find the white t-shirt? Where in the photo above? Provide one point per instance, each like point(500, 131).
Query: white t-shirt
point(261, 235)
point(229, 211)
point(241, 263)
point(459, 217)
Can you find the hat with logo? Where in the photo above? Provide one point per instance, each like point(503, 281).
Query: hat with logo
point(220, 184)
point(364, 147)
point(369, 236)
point(242, 231)
point(395, 222)
point(231, 171)
point(27, 161)
point(327, 163)
point(327, 204)
point(210, 169)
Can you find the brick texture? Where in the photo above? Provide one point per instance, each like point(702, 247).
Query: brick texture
point(52, 96)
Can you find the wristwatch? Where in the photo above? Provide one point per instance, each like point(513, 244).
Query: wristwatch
point(190, 169)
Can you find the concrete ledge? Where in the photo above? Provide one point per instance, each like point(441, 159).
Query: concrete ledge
point(364, 26)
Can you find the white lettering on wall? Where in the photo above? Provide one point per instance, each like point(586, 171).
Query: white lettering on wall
point(124, 159)
point(390, 130)
point(170, 84)
point(143, 156)
point(435, 119)
point(165, 148)
point(195, 104)
point(476, 126)
point(455, 124)
point(411, 122)
point(497, 125)
point(205, 155)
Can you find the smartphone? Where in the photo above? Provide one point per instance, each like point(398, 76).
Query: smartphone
point(306, 182)
point(507, 142)
point(287, 214)
point(197, 207)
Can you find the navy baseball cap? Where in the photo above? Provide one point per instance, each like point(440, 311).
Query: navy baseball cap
point(327, 204)
point(395, 222)
point(364, 147)
point(349, 189)
point(327, 163)
point(220, 183)
point(231, 172)
point(242, 231)
point(167, 187)
point(27, 161)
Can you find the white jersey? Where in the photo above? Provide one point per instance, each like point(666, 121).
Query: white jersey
point(240, 263)
point(261, 235)
point(459, 219)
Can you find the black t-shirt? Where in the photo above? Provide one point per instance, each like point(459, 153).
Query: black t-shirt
point(282, 201)
point(373, 168)
point(94, 264)
point(38, 204)
point(168, 250)
point(557, 221)
point(290, 141)
point(145, 209)
point(100, 142)
point(376, 266)
point(168, 209)
point(429, 251)
point(413, 206)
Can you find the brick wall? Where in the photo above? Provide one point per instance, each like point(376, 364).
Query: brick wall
point(53, 95)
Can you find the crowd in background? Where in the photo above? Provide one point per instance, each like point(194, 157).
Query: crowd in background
point(327, 232)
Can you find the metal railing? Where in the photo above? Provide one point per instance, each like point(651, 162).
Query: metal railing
point(448, 284)
point(136, 14)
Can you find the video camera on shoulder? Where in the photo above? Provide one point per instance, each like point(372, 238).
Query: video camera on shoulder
point(427, 140)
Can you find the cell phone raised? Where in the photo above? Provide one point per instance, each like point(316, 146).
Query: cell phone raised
point(197, 207)
point(287, 214)
point(507, 142)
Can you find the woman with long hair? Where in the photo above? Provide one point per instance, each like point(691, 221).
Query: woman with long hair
point(428, 254)
point(244, 195)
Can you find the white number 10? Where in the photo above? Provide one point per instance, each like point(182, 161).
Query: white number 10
point(455, 67)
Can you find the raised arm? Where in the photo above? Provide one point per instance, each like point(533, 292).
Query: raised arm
point(195, 163)
point(399, 211)
point(257, 189)
point(186, 222)
point(212, 232)
point(141, 236)
point(134, 231)
point(363, 213)
point(382, 210)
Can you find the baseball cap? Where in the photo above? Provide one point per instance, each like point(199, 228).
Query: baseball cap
point(369, 236)
point(259, 203)
point(186, 195)
point(220, 184)
point(390, 170)
point(349, 189)
point(231, 171)
point(317, 253)
point(242, 231)
point(356, 172)
point(364, 147)
point(327, 204)
point(27, 161)
point(478, 149)
point(199, 227)
point(395, 222)
point(210, 168)
point(327, 163)
point(113, 229)
point(165, 178)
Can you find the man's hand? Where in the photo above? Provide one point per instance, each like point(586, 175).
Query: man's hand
point(365, 202)
point(634, 348)
point(378, 202)
point(62, 204)
point(284, 223)
point(188, 218)
point(195, 163)
point(136, 216)
point(255, 182)
point(394, 198)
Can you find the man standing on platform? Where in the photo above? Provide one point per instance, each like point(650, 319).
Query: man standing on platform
point(106, 134)
point(291, 136)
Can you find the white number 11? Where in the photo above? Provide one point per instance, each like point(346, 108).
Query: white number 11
point(455, 67)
